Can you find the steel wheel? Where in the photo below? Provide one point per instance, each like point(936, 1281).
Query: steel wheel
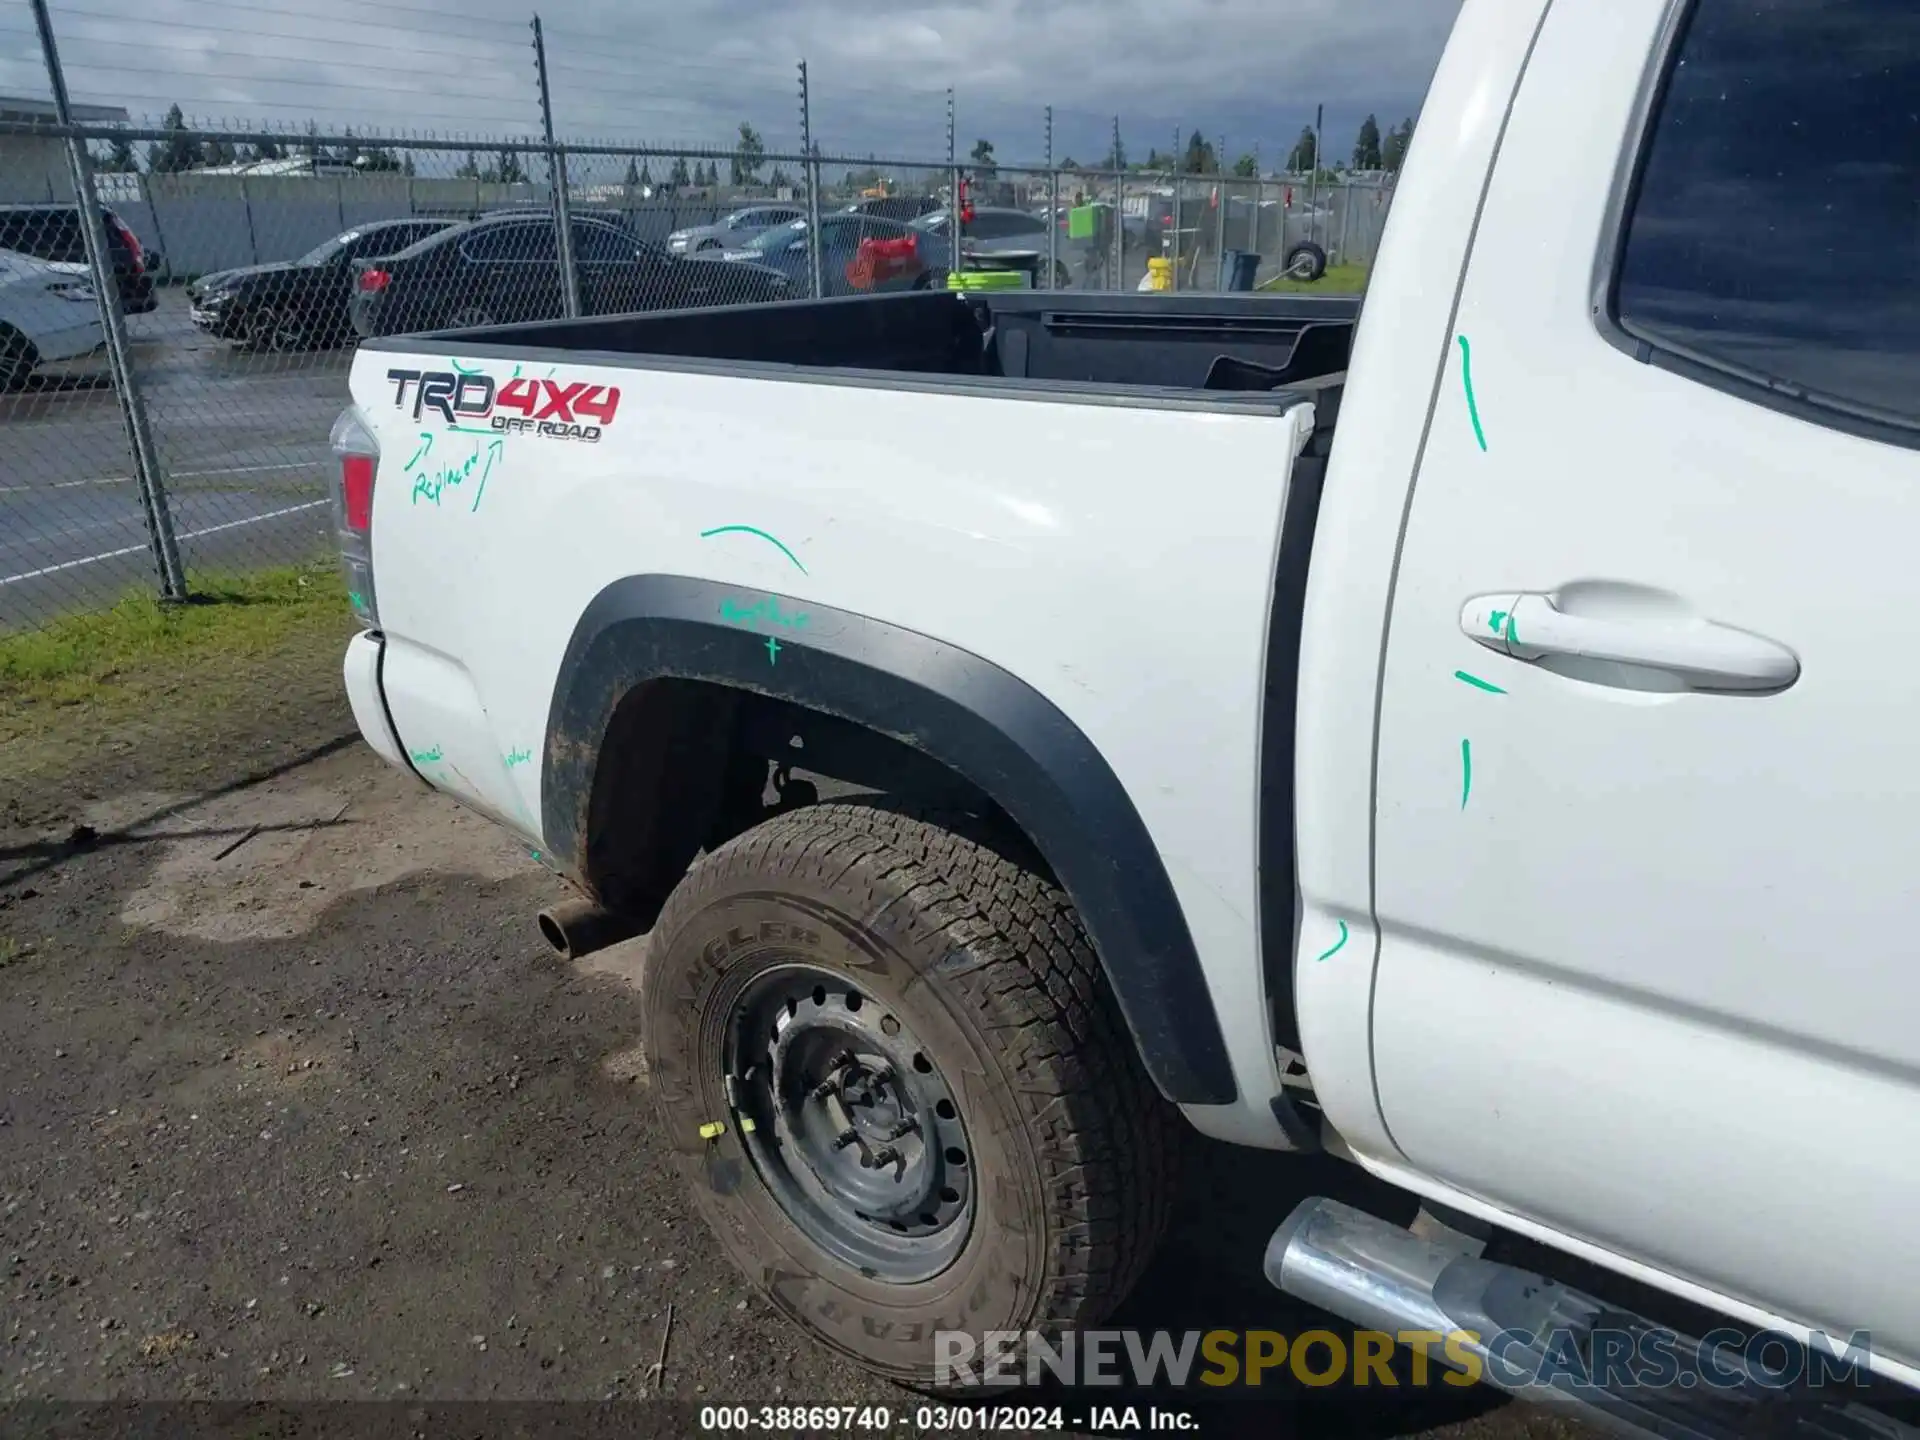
point(854, 1129)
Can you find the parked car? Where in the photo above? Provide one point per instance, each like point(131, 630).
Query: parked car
point(995, 233)
point(47, 313)
point(52, 232)
point(893, 207)
point(507, 267)
point(734, 231)
point(785, 250)
point(303, 302)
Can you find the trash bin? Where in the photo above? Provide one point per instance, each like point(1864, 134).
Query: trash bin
point(1237, 269)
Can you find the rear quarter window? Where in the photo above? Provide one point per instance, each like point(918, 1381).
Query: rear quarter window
point(1771, 242)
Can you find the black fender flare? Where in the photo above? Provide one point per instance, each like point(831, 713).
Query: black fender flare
point(981, 722)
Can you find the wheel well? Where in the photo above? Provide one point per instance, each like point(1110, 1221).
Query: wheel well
point(686, 765)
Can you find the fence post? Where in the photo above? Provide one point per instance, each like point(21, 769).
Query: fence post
point(815, 264)
point(557, 182)
point(953, 203)
point(146, 460)
point(1346, 214)
point(1053, 210)
point(1220, 212)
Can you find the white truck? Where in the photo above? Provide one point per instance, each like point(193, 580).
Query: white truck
point(1469, 735)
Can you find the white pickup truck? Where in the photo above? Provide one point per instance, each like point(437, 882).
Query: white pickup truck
point(1470, 735)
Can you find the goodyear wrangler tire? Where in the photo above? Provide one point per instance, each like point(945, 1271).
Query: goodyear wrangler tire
point(891, 1070)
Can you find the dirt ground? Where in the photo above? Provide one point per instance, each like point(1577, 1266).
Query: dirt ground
point(295, 1107)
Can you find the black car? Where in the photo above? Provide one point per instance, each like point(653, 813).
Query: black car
point(303, 302)
point(52, 232)
point(505, 268)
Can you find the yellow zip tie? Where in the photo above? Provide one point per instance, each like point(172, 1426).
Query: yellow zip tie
point(712, 1130)
point(746, 1124)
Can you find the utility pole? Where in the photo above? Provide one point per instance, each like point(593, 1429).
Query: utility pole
point(1119, 207)
point(557, 182)
point(815, 267)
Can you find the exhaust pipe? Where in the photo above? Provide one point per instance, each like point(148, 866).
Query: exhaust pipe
point(577, 928)
point(1546, 1343)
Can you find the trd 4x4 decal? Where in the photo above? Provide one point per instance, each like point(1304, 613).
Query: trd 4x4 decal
point(557, 409)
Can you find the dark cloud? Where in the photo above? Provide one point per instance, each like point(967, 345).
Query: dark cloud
point(688, 73)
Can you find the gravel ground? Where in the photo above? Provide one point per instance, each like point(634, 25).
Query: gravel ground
point(295, 1108)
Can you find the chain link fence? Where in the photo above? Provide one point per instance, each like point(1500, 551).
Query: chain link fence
point(175, 334)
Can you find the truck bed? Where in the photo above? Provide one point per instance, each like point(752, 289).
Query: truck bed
point(1236, 350)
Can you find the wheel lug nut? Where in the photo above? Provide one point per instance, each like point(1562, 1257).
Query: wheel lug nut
point(905, 1127)
point(885, 1155)
point(825, 1088)
point(845, 1138)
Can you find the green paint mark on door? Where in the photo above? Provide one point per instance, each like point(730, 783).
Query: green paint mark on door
point(773, 651)
point(1466, 380)
point(1337, 945)
point(1496, 620)
point(1466, 771)
point(1478, 683)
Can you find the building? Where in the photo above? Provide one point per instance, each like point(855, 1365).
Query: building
point(34, 167)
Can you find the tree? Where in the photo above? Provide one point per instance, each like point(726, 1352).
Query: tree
point(268, 150)
point(678, 178)
point(119, 158)
point(219, 152)
point(1247, 168)
point(1116, 156)
point(179, 151)
point(468, 169)
point(510, 171)
point(982, 158)
point(646, 176)
point(378, 158)
point(1200, 158)
point(1366, 149)
point(744, 166)
point(406, 165)
point(780, 180)
point(632, 178)
point(312, 147)
point(1069, 163)
point(1393, 154)
point(1304, 153)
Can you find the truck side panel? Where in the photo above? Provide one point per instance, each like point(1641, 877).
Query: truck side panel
point(1122, 558)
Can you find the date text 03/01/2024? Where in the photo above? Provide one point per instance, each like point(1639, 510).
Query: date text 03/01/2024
point(939, 1419)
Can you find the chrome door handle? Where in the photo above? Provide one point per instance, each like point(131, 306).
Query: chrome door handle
point(1701, 653)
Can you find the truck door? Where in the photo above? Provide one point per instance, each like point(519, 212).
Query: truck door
point(1648, 781)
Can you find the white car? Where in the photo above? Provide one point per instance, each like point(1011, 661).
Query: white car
point(47, 313)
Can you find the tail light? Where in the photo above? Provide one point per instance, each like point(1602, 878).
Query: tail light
point(358, 454)
point(372, 282)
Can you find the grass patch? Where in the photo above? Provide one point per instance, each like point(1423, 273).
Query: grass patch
point(1339, 280)
point(79, 659)
point(146, 698)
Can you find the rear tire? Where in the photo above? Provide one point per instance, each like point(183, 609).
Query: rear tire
point(941, 979)
point(18, 360)
point(271, 330)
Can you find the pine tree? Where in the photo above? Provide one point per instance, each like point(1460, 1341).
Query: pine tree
point(1366, 149)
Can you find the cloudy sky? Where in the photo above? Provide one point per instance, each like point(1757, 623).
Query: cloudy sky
point(687, 72)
